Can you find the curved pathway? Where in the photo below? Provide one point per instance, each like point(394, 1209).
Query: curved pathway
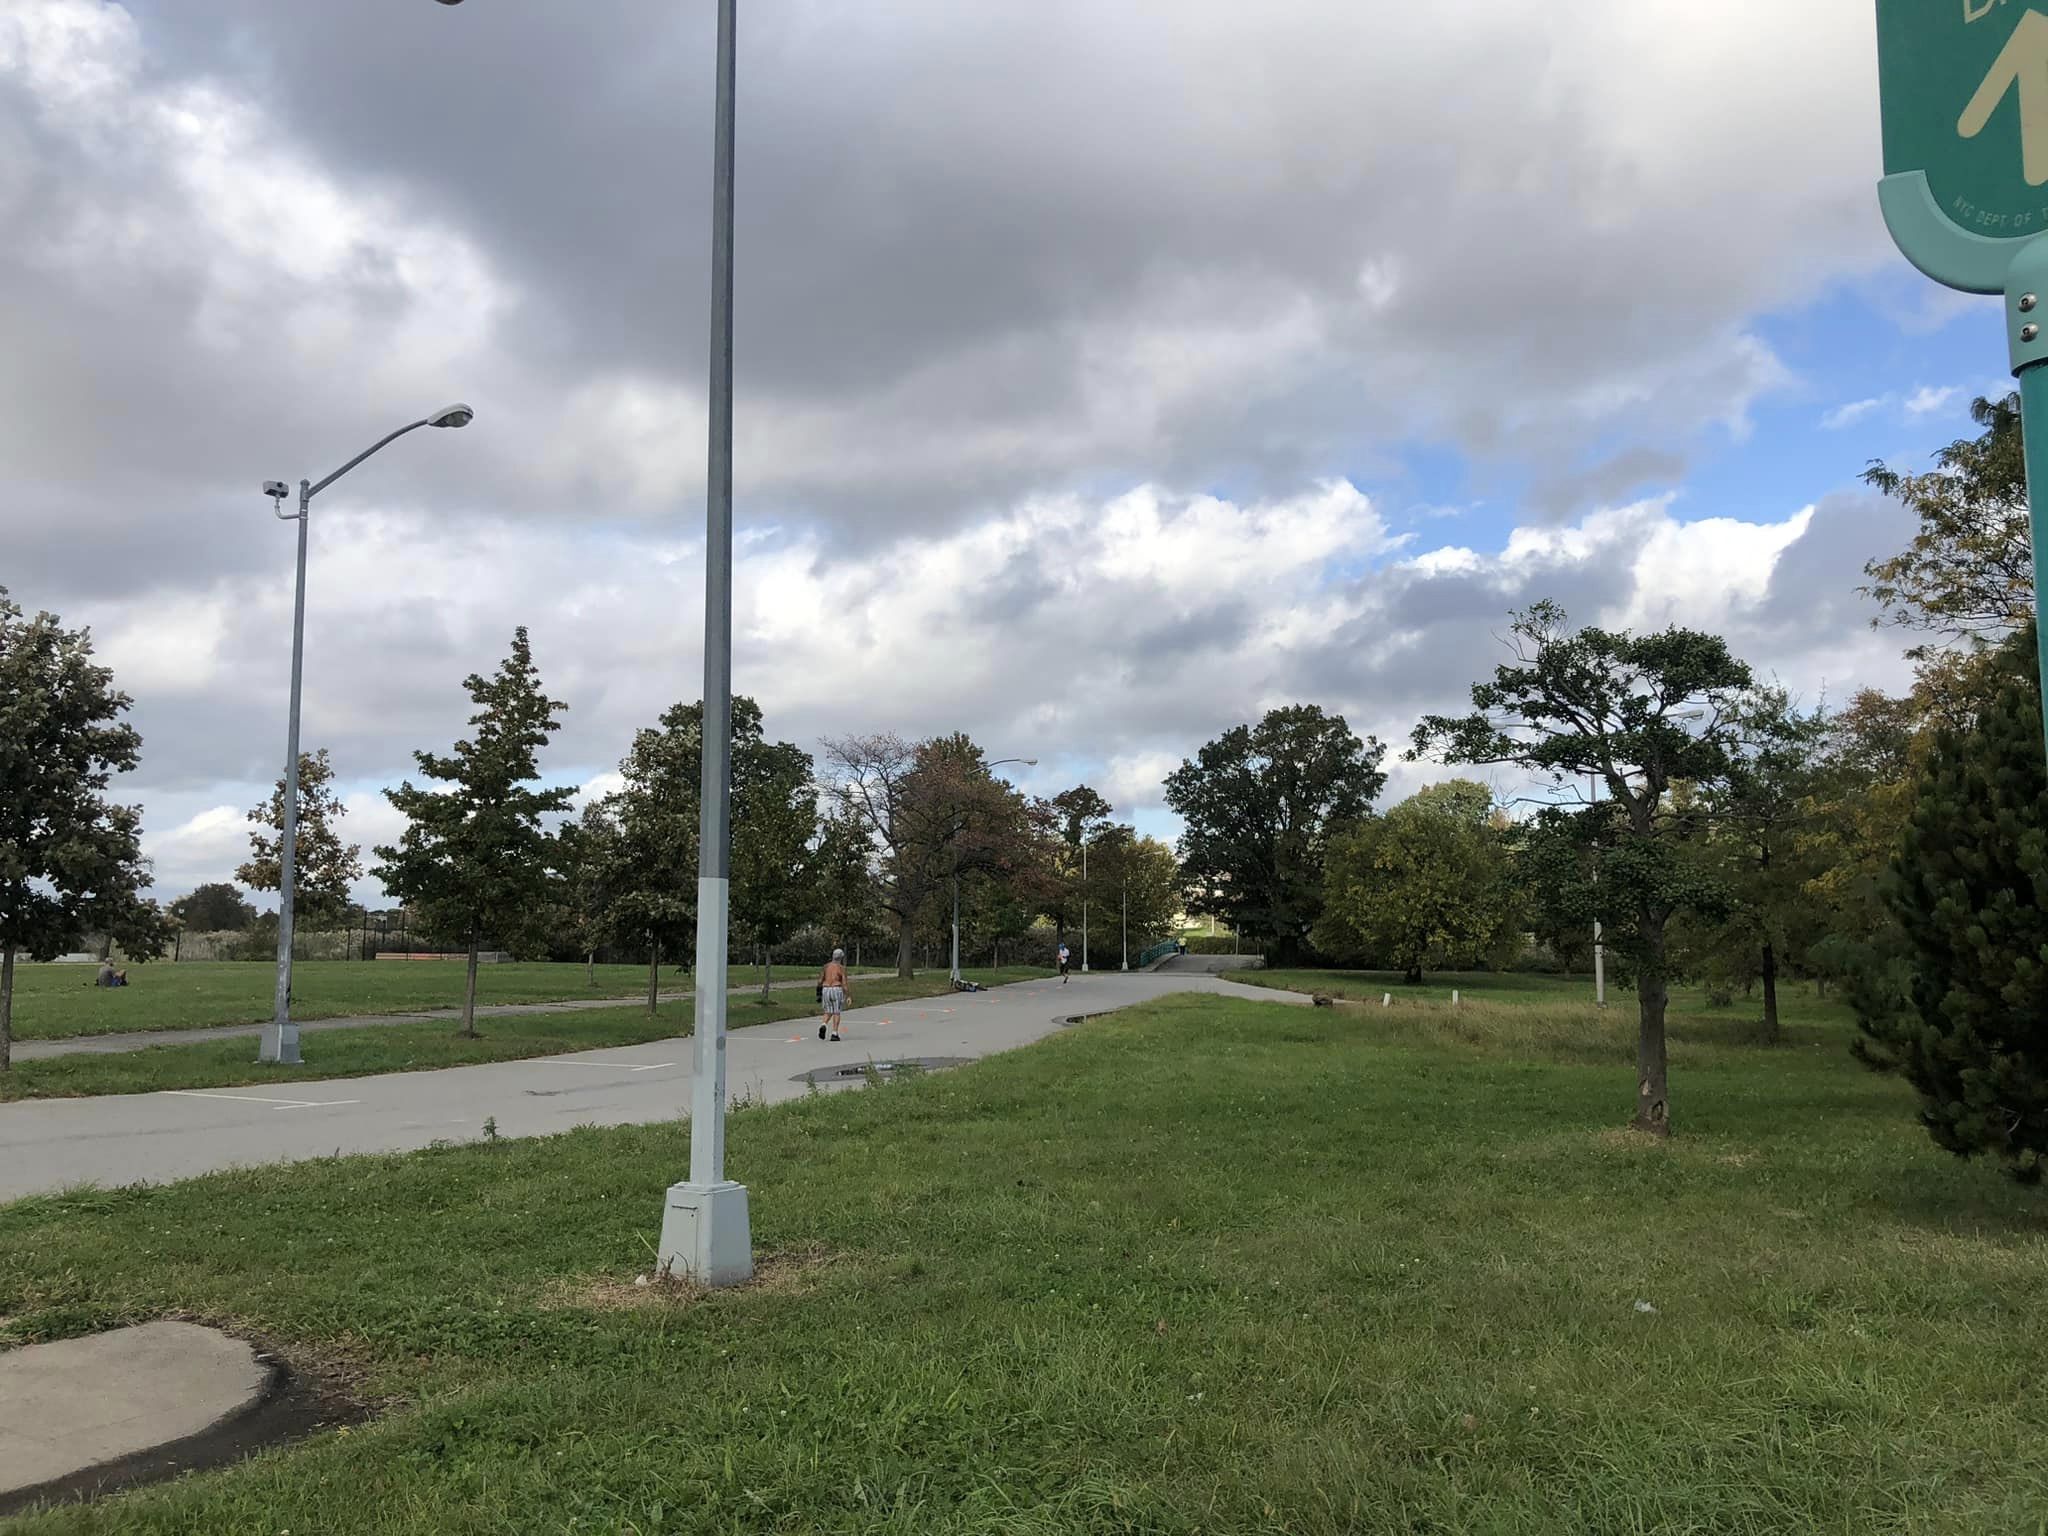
point(51, 1144)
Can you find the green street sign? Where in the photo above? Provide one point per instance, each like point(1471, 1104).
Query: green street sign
point(1965, 189)
point(1965, 93)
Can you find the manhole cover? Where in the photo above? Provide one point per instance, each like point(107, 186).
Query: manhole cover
point(854, 1071)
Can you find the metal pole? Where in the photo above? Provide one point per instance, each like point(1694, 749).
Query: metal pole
point(704, 1231)
point(1127, 924)
point(956, 913)
point(2034, 428)
point(1599, 949)
point(280, 1042)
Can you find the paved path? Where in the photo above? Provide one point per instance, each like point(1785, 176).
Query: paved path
point(52, 1144)
point(143, 1039)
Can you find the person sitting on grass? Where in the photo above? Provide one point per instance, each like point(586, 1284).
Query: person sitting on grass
point(109, 977)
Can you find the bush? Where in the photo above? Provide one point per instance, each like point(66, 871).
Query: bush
point(1969, 886)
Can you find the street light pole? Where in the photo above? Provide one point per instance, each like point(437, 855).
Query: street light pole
point(704, 1229)
point(1599, 949)
point(280, 1041)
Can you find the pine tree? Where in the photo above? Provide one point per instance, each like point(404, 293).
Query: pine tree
point(324, 868)
point(1970, 889)
point(69, 859)
point(475, 858)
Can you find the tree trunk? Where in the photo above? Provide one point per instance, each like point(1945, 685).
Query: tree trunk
point(590, 967)
point(1413, 977)
point(653, 974)
point(1770, 995)
point(469, 995)
point(1653, 994)
point(7, 1008)
point(767, 972)
point(906, 963)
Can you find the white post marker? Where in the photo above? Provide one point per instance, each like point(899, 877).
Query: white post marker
point(1386, 999)
point(704, 1229)
point(1454, 997)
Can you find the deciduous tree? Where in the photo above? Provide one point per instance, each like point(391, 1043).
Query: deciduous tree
point(70, 859)
point(216, 907)
point(1261, 804)
point(324, 868)
point(1425, 887)
point(1968, 574)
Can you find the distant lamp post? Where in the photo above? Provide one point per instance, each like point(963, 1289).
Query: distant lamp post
point(280, 1041)
point(1028, 762)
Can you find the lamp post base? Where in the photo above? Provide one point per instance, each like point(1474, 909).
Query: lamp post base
point(280, 1044)
point(704, 1235)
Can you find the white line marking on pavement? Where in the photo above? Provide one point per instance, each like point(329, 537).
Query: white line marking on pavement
point(250, 1098)
point(563, 1061)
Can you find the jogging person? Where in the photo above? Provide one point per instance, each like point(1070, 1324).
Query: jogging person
point(1063, 962)
point(832, 985)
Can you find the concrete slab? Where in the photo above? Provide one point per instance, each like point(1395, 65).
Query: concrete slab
point(71, 1406)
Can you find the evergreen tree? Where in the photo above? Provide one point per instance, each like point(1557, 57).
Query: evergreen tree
point(324, 868)
point(70, 859)
point(1657, 718)
point(1969, 887)
point(475, 858)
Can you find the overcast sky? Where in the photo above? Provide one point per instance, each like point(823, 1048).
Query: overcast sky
point(1107, 372)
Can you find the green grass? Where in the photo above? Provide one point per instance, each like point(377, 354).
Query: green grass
point(376, 1048)
point(1209, 1266)
point(56, 1002)
point(1556, 1014)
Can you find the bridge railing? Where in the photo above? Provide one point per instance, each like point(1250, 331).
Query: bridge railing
point(1157, 952)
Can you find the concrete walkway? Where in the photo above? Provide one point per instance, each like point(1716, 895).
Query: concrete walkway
point(97, 1401)
point(143, 1039)
point(51, 1144)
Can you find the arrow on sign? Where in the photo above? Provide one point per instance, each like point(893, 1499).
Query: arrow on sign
point(2023, 63)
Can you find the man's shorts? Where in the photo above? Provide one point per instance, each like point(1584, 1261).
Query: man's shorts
point(835, 999)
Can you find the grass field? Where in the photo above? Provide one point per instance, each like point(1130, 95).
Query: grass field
point(55, 1002)
point(1209, 1266)
point(1556, 1015)
point(375, 1048)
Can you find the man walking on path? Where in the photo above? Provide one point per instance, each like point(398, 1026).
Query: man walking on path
point(1063, 962)
point(832, 993)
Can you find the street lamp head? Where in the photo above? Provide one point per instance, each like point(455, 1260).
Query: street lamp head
point(458, 414)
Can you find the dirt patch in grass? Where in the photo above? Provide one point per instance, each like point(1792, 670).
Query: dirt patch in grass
point(792, 1272)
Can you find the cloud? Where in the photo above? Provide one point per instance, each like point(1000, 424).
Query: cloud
point(1848, 415)
point(1075, 347)
point(1929, 401)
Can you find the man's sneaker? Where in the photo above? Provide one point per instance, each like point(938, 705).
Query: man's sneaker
point(821, 1031)
point(835, 1039)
